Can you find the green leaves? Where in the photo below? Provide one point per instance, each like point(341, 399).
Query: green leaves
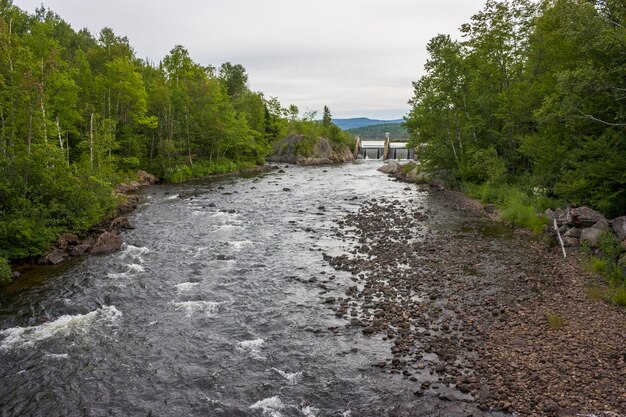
point(539, 89)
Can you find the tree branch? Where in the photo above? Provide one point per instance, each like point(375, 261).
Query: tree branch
point(595, 119)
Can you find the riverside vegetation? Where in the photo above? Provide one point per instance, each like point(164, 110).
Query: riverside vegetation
point(528, 112)
point(80, 113)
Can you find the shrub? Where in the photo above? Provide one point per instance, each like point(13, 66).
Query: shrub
point(5, 271)
point(598, 265)
point(555, 321)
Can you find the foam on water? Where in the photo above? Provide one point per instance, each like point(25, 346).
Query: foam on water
point(252, 347)
point(57, 356)
point(134, 252)
point(270, 406)
point(292, 378)
point(229, 227)
point(238, 244)
point(193, 307)
point(309, 411)
point(19, 337)
point(135, 268)
point(172, 197)
point(186, 286)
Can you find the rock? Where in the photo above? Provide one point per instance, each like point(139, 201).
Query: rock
point(106, 243)
point(67, 239)
point(601, 224)
point(585, 216)
point(590, 236)
point(619, 227)
point(392, 167)
point(563, 216)
point(121, 223)
point(574, 232)
point(224, 258)
point(571, 241)
point(16, 274)
point(549, 213)
point(130, 203)
point(127, 187)
point(52, 257)
point(146, 179)
point(82, 248)
point(296, 149)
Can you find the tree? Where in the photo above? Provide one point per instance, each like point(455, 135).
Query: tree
point(326, 118)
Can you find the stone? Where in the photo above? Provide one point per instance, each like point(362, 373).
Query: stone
point(67, 239)
point(106, 243)
point(549, 213)
point(563, 216)
point(601, 224)
point(574, 232)
point(121, 223)
point(392, 167)
point(586, 216)
point(590, 236)
point(82, 248)
point(619, 227)
point(16, 274)
point(146, 179)
point(52, 257)
point(571, 241)
point(130, 203)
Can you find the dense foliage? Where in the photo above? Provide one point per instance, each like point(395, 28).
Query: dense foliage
point(80, 113)
point(533, 97)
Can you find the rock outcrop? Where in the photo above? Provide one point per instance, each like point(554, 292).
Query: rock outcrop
point(296, 149)
point(106, 243)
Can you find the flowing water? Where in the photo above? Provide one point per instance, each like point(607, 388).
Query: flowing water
point(208, 310)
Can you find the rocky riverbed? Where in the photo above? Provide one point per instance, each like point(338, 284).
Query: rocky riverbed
point(480, 313)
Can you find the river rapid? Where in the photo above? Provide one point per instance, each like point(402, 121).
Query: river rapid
point(213, 307)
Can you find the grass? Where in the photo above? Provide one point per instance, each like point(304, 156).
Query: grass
point(517, 207)
point(555, 321)
point(204, 169)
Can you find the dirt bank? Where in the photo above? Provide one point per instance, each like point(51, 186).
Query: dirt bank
point(479, 312)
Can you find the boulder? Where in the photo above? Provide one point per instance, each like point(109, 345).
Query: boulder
point(67, 239)
point(127, 188)
point(121, 223)
point(619, 227)
point(571, 241)
point(549, 213)
point(52, 257)
point(590, 236)
point(602, 224)
point(392, 167)
point(83, 247)
point(130, 203)
point(145, 178)
point(106, 243)
point(586, 216)
point(563, 216)
point(574, 232)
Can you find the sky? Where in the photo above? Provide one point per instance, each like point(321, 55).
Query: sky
point(358, 57)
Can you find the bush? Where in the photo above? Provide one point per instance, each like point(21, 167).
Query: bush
point(5, 271)
point(555, 321)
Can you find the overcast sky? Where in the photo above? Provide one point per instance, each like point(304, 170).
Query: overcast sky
point(356, 56)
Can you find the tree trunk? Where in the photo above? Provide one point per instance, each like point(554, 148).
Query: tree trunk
point(91, 142)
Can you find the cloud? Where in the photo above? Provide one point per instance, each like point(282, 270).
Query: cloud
point(356, 56)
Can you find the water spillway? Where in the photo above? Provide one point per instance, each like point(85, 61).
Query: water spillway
point(214, 307)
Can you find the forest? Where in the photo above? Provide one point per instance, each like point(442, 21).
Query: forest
point(81, 113)
point(528, 109)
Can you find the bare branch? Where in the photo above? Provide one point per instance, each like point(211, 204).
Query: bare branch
point(595, 119)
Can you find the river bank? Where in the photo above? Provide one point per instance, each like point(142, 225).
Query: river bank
point(478, 312)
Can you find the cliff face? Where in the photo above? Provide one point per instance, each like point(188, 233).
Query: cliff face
point(296, 149)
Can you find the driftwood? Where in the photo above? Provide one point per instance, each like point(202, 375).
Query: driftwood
point(556, 227)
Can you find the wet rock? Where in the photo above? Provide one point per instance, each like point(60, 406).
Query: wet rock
point(585, 216)
point(121, 223)
point(82, 248)
point(129, 204)
point(106, 243)
point(392, 167)
point(286, 189)
point(590, 236)
point(52, 257)
point(619, 227)
point(224, 257)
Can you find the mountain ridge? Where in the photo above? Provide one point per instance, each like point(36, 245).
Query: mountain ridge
point(356, 122)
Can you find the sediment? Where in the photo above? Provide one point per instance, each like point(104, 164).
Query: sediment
point(479, 312)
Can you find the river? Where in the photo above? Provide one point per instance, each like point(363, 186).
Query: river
point(213, 307)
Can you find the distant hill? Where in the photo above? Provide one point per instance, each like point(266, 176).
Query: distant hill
point(346, 124)
point(396, 131)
